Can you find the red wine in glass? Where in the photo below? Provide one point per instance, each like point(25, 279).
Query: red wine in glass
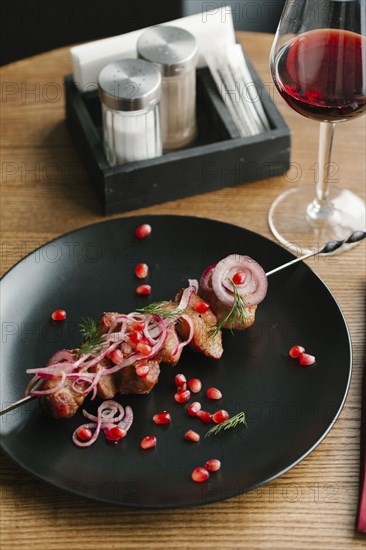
point(320, 74)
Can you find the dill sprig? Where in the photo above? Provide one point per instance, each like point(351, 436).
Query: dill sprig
point(228, 424)
point(92, 337)
point(161, 309)
point(237, 312)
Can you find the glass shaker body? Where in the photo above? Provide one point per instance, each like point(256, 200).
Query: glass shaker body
point(178, 110)
point(131, 135)
point(130, 91)
point(174, 52)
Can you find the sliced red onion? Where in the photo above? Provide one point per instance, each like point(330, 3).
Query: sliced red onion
point(190, 335)
point(109, 414)
point(255, 285)
point(206, 278)
point(126, 423)
point(51, 390)
point(187, 293)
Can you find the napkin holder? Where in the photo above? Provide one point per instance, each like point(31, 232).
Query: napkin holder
point(218, 158)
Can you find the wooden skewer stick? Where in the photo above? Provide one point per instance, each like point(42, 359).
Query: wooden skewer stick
point(331, 246)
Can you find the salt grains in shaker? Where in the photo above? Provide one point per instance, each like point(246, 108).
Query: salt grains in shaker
point(174, 51)
point(130, 90)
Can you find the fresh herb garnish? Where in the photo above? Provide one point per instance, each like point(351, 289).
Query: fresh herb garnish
point(161, 309)
point(237, 312)
point(228, 424)
point(92, 337)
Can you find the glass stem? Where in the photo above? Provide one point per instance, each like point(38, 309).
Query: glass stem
point(320, 210)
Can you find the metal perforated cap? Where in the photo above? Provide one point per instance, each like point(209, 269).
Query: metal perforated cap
point(174, 51)
point(129, 85)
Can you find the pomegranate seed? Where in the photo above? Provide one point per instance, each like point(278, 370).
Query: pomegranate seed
point(213, 393)
point(148, 442)
point(135, 337)
point(141, 271)
point(193, 408)
point(201, 307)
point(84, 434)
point(59, 315)
point(204, 416)
point(143, 349)
point(138, 326)
point(306, 359)
point(115, 434)
point(116, 356)
point(220, 416)
point(143, 290)
point(142, 370)
point(212, 465)
point(195, 385)
point(182, 396)
point(143, 230)
point(180, 380)
point(296, 351)
point(239, 278)
point(162, 418)
point(190, 435)
point(200, 474)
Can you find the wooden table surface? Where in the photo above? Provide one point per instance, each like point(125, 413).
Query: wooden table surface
point(46, 193)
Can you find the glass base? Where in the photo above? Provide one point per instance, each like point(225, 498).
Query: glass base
point(291, 221)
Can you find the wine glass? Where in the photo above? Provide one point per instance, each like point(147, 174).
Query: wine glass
point(318, 64)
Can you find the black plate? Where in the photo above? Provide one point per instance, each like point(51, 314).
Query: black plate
point(289, 408)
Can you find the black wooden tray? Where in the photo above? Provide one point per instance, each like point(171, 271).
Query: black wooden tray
point(218, 158)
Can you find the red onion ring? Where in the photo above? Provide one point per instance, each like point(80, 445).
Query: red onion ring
point(109, 414)
point(206, 278)
point(255, 285)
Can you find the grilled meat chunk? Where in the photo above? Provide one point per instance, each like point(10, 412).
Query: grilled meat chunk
point(234, 322)
point(63, 403)
point(130, 382)
point(108, 384)
point(203, 341)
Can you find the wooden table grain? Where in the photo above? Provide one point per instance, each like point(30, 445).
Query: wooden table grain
point(45, 193)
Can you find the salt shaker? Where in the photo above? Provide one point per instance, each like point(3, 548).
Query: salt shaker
point(174, 51)
point(130, 91)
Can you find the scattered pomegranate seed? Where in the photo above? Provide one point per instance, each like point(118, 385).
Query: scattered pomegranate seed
point(84, 434)
point(148, 442)
point(200, 474)
point(59, 315)
point(143, 230)
point(138, 326)
point(135, 337)
point(116, 356)
point(143, 290)
point(162, 418)
point(201, 307)
point(193, 408)
point(180, 380)
point(213, 393)
point(296, 351)
point(190, 435)
point(204, 416)
point(141, 271)
point(195, 385)
point(142, 370)
point(306, 359)
point(115, 434)
point(143, 349)
point(220, 416)
point(182, 396)
point(239, 278)
point(212, 465)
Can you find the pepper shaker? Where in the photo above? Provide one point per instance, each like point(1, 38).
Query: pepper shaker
point(174, 51)
point(130, 91)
